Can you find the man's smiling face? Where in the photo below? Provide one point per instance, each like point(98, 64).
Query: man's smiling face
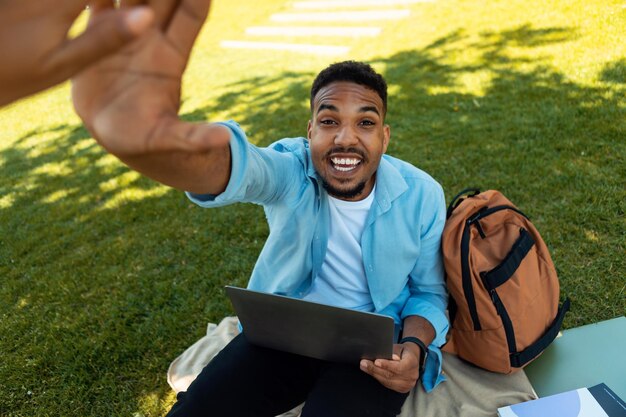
point(347, 136)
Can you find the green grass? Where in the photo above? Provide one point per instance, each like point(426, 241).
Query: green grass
point(107, 276)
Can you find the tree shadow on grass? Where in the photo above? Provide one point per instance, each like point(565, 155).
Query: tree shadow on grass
point(614, 72)
point(67, 209)
point(104, 276)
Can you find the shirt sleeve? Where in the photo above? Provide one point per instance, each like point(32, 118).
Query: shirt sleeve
point(429, 297)
point(257, 174)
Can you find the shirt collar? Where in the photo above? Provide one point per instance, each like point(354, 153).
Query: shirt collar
point(389, 184)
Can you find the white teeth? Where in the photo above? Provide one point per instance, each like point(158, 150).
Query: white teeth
point(345, 164)
point(344, 169)
point(345, 161)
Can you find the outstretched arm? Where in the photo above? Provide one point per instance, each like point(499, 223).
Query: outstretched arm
point(35, 48)
point(130, 102)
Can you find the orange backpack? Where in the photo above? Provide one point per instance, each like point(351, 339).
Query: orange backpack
point(504, 305)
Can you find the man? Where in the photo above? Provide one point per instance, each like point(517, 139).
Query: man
point(349, 226)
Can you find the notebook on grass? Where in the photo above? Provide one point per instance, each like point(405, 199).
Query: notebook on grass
point(596, 401)
point(312, 329)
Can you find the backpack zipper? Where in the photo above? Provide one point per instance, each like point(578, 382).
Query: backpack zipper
point(506, 321)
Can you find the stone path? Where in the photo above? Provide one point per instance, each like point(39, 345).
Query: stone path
point(316, 20)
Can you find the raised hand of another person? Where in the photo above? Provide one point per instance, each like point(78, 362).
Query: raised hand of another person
point(130, 103)
point(36, 51)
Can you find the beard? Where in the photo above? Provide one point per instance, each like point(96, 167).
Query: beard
point(343, 193)
point(340, 192)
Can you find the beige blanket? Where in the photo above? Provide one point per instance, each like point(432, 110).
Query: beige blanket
point(468, 391)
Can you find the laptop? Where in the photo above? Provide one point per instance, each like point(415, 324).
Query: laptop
point(311, 329)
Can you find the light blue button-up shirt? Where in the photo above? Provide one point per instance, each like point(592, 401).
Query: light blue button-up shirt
point(400, 242)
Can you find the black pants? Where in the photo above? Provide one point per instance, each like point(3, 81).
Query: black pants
point(244, 380)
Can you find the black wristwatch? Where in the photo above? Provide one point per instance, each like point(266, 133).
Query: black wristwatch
point(423, 350)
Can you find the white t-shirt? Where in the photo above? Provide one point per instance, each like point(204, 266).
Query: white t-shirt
point(341, 281)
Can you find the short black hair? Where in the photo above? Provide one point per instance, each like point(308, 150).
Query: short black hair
point(351, 71)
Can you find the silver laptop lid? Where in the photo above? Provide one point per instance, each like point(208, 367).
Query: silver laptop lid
point(312, 329)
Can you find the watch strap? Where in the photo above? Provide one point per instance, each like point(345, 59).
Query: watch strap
point(423, 351)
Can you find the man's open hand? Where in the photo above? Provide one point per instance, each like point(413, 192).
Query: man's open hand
point(130, 101)
point(35, 49)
